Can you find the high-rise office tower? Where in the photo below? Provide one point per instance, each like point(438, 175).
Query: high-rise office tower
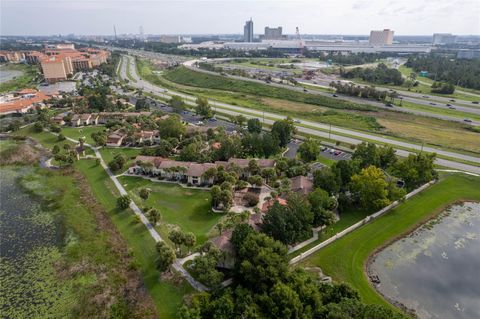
point(248, 31)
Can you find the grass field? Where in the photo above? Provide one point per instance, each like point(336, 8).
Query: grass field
point(188, 208)
point(78, 132)
point(108, 153)
point(346, 258)
point(29, 73)
point(183, 75)
point(167, 297)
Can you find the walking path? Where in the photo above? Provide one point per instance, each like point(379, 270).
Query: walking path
point(177, 265)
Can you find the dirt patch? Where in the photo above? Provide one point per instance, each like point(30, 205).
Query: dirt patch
point(24, 153)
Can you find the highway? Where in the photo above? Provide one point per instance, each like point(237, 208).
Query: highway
point(308, 127)
point(191, 64)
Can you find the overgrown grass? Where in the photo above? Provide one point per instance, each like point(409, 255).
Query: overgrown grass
point(346, 258)
point(186, 76)
point(188, 208)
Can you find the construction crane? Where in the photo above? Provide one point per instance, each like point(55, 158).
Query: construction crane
point(300, 41)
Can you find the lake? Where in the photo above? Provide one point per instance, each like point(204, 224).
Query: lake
point(435, 271)
point(7, 75)
point(30, 241)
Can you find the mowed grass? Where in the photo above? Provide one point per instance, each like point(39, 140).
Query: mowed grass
point(345, 259)
point(167, 297)
point(78, 132)
point(108, 153)
point(188, 208)
point(47, 139)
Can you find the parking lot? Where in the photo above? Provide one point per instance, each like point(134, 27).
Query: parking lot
point(334, 154)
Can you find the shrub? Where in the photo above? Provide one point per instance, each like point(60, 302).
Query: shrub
point(123, 202)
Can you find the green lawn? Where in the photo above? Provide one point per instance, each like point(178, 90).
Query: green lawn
point(188, 208)
point(345, 259)
point(167, 297)
point(108, 153)
point(77, 132)
point(45, 138)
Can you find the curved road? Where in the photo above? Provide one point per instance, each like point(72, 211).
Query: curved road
point(314, 128)
point(472, 110)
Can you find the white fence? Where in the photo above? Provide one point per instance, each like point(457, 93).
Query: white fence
point(364, 221)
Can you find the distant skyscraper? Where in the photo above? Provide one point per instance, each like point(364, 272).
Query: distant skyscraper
point(248, 31)
point(444, 38)
point(384, 37)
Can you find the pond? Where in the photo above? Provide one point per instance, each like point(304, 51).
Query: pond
point(7, 75)
point(435, 271)
point(30, 241)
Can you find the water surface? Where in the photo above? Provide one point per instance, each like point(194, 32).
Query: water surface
point(436, 270)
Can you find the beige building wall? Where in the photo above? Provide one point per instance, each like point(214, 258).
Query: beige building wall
point(384, 37)
point(54, 70)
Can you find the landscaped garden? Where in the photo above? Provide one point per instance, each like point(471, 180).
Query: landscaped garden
point(188, 208)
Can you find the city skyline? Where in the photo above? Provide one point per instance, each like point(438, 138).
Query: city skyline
point(357, 17)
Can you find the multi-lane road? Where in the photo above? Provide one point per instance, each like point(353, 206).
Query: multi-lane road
point(413, 98)
point(308, 127)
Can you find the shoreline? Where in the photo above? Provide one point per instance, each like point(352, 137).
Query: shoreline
point(371, 258)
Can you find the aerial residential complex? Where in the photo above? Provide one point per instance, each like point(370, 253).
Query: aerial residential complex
point(58, 62)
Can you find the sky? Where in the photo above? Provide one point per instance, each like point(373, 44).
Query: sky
point(356, 17)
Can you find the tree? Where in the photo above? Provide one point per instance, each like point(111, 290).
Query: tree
point(309, 150)
point(55, 149)
point(153, 216)
point(240, 232)
point(203, 108)
point(141, 104)
point(123, 202)
point(144, 193)
point(177, 104)
point(254, 125)
point(240, 120)
point(38, 127)
point(176, 237)
point(216, 193)
point(171, 127)
point(370, 188)
point(256, 180)
point(100, 138)
point(117, 162)
point(220, 226)
point(270, 174)
point(289, 224)
point(416, 169)
point(322, 205)
point(366, 154)
point(189, 240)
point(205, 268)
point(283, 130)
point(61, 137)
point(166, 256)
point(326, 179)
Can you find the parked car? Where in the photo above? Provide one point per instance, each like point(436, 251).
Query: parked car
point(332, 151)
point(185, 112)
point(336, 153)
point(200, 123)
point(212, 119)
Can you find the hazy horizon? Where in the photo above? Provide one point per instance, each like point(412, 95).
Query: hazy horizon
point(356, 17)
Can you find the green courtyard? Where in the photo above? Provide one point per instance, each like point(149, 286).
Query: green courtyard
point(188, 208)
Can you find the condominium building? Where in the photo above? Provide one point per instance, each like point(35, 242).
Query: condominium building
point(56, 68)
point(384, 37)
point(248, 31)
point(273, 34)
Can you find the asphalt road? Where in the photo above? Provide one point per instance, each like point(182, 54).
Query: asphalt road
point(314, 128)
point(191, 65)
